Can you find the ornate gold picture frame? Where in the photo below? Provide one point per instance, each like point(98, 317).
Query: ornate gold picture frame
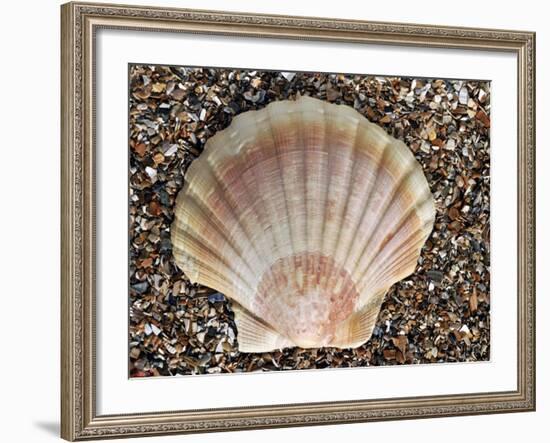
point(80, 22)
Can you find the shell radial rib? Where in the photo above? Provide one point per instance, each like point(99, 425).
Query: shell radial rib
point(304, 214)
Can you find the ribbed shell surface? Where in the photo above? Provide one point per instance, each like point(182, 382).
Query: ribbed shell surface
point(304, 214)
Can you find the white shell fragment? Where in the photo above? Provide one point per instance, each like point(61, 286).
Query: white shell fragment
point(304, 214)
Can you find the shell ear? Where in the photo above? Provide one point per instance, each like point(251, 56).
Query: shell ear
point(357, 329)
point(254, 334)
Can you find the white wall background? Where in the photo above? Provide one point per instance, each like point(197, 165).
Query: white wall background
point(29, 218)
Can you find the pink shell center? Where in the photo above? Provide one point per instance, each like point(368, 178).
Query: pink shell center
point(305, 297)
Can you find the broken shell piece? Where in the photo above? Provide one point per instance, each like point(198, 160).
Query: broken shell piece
point(304, 214)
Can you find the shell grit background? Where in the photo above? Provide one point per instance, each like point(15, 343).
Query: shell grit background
point(438, 314)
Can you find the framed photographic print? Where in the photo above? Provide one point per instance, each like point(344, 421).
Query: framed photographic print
point(257, 207)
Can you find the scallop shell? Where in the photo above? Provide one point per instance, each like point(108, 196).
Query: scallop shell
point(304, 214)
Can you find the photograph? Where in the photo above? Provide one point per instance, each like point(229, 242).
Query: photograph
point(278, 218)
point(283, 220)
